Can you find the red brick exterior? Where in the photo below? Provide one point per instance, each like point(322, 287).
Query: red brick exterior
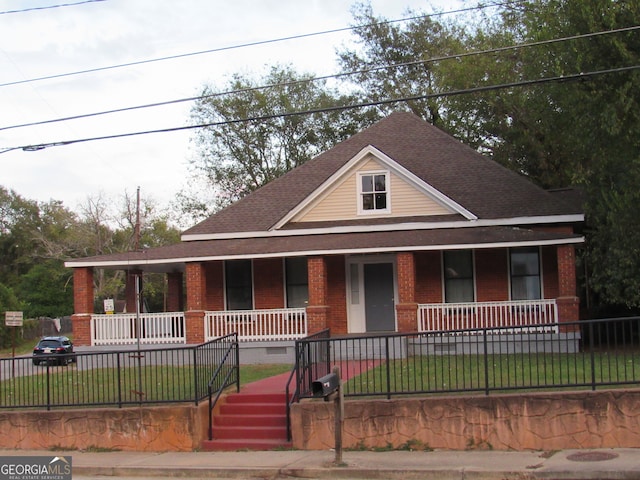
point(82, 305)
point(196, 294)
point(83, 290)
point(428, 277)
point(317, 310)
point(175, 292)
point(215, 286)
point(268, 283)
point(492, 275)
point(336, 294)
point(407, 307)
point(568, 303)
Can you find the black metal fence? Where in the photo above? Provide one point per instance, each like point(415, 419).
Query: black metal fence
point(116, 378)
point(587, 354)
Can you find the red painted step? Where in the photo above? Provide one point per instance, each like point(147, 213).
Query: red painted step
point(250, 420)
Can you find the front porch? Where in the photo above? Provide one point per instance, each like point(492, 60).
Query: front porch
point(289, 324)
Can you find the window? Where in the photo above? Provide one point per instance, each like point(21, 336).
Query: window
point(374, 192)
point(525, 273)
point(239, 289)
point(297, 282)
point(458, 276)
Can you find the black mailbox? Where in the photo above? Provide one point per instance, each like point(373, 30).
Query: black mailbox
point(325, 386)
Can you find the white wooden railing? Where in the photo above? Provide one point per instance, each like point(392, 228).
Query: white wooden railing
point(122, 328)
point(540, 315)
point(256, 325)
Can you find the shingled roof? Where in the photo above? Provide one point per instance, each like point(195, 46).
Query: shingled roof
point(472, 180)
point(506, 207)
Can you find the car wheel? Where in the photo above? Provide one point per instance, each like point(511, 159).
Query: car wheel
point(64, 361)
point(36, 362)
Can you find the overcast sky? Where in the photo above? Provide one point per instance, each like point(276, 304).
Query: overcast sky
point(91, 35)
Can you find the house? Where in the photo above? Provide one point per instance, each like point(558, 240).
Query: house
point(400, 228)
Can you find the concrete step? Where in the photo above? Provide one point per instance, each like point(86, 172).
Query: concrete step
point(235, 445)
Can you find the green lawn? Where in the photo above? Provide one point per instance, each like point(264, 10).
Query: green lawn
point(158, 383)
point(451, 373)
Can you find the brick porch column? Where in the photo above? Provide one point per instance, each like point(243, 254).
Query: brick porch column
point(568, 302)
point(175, 292)
point(82, 305)
point(407, 307)
point(196, 280)
point(318, 307)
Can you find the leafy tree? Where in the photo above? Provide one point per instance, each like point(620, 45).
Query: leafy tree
point(582, 132)
point(47, 290)
point(251, 138)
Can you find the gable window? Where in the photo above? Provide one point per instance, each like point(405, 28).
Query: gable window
point(525, 273)
point(238, 284)
point(373, 191)
point(295, 272)
point(458, 276)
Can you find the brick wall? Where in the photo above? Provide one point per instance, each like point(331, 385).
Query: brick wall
point(428, 277)
point(492, 275)
point(268, 283)
point(83, 290)
point(214, 273)
point(337, 294)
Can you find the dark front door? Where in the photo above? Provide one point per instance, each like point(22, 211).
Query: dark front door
point(378, 297)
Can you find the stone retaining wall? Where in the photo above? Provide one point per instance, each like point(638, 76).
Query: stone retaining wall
point(161, 428)
point(538, 421)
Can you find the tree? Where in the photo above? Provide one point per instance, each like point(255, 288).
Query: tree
point(582, 133)
point(252, 137)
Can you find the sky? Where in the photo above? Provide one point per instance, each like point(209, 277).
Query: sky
point(79, 36)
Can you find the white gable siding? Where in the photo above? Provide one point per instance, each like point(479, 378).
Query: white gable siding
point(340, 202)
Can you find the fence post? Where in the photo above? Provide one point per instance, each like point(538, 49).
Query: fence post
point(386, 347)
point(592, 356)
point(486, 362)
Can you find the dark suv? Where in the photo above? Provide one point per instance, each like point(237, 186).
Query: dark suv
point(54, 350)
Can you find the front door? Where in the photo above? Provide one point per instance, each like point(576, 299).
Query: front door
point(379, 297)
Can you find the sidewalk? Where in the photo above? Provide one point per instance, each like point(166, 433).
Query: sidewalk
point(442, 465)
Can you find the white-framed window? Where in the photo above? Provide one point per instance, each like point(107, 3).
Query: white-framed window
point(238, 278)
point(525, 273)
point(373, 192)
point(458, 276)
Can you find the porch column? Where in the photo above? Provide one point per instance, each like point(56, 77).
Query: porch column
point(130, 290)
point(196, 293)
point(82, 305)
point(318, 307)
point(407, 307)
point(568, 302)
point(175, 292)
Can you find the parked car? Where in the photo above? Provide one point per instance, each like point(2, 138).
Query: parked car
point(54, 350)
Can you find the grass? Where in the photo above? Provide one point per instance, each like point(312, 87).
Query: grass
point(501, 372)
point(57, 385)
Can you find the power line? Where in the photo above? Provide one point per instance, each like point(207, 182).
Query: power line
point(561, 78)
point(244, 45)
point(332, 76)
point(50, 6)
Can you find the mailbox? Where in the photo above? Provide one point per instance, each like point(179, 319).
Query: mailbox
point(325, 386)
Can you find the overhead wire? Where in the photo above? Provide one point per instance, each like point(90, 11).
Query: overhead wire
point(561, 78)
point(48, 7)
point(250, 44)
point(327, 77)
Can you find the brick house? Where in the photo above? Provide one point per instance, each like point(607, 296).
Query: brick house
point(399, 228)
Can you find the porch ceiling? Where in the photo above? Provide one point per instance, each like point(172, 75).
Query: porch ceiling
point(173, 257)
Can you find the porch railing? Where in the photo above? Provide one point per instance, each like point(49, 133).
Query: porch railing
point(542, 315)
point(127, 329)
point(256, 325)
